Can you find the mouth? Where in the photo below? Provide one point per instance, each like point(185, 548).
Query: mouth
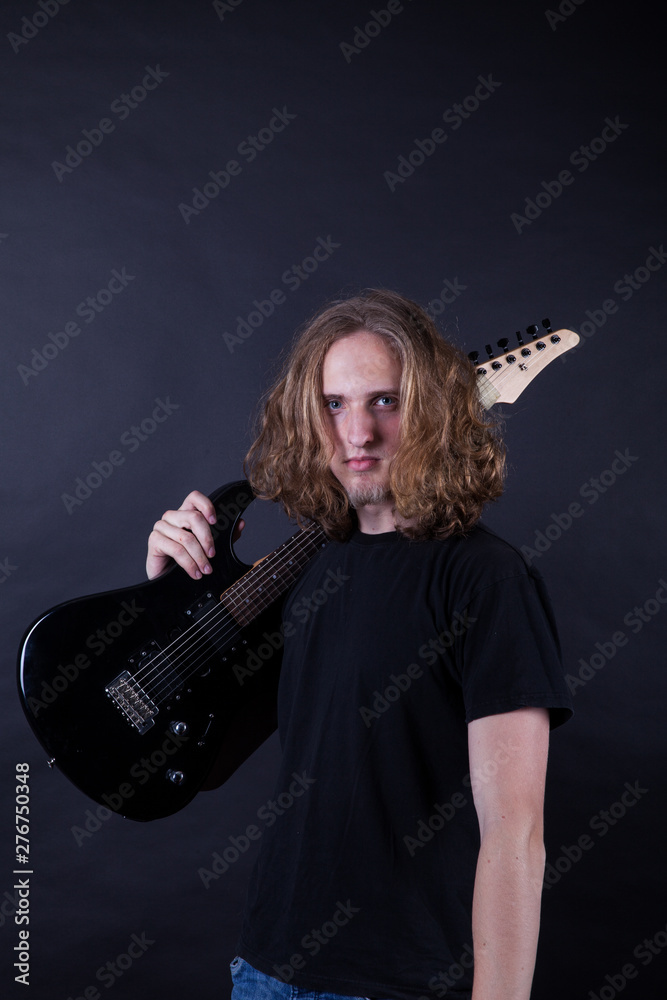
point(361, 464)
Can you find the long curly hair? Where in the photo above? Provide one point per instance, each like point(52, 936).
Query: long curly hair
point(450, 460)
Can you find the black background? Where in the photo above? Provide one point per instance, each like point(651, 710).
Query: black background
point(161, 337)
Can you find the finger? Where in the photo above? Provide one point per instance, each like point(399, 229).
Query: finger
point(177, 542)
point(199, 501)
point(194, 521)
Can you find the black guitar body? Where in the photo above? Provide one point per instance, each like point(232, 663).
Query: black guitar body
point(144, 695)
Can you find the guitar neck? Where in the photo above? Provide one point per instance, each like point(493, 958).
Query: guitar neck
point(273, 575)
point(503, 379)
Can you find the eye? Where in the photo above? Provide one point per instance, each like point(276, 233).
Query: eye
point(333, 405)
point(386, 400)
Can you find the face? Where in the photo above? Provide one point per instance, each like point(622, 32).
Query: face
point(360, 388)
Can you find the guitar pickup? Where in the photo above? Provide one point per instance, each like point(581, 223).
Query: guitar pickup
point(133, 701)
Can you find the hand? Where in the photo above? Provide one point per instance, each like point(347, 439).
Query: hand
point(184, 536)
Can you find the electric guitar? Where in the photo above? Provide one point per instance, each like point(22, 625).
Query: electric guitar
point(144, 696)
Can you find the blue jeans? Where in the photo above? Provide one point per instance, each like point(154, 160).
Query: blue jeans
point(249, 984)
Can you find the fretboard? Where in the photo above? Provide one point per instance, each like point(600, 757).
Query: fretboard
point(270, 578)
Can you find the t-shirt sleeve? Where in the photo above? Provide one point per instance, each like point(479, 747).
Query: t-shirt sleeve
point(509, 654)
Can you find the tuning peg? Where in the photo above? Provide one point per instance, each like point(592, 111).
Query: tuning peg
point(532, 331)
point(519, 337)
point(473, 355)
point(546, 323)
point(502, 343)
point(489, 350)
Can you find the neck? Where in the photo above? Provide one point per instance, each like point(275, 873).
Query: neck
point(376, 518)
point(373, 519)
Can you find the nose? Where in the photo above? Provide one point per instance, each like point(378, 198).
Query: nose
point(361, 429)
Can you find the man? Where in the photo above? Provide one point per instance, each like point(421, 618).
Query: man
point(415, 703)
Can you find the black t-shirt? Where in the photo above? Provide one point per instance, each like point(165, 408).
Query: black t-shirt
point(364, 881)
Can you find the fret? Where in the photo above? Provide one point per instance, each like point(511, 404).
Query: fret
point(271, 577)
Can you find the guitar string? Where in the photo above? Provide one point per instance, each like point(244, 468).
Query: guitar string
point(197, 650)
point(243, 586)
point(170, 672)
point(173, 676)
point(167, 660)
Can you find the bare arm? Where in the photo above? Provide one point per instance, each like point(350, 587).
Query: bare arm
point(508, 757)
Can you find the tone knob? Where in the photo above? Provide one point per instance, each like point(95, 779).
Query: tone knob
point(179, 728)
point(176, 777)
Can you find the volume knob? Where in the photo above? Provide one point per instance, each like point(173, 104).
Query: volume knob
point(179, 728)
point(176, 777)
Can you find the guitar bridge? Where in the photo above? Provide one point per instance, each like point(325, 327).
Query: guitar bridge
point(133, 701)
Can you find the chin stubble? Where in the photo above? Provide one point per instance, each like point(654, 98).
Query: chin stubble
point(368, 495)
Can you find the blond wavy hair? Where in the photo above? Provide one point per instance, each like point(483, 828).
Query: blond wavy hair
point(450, 460)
